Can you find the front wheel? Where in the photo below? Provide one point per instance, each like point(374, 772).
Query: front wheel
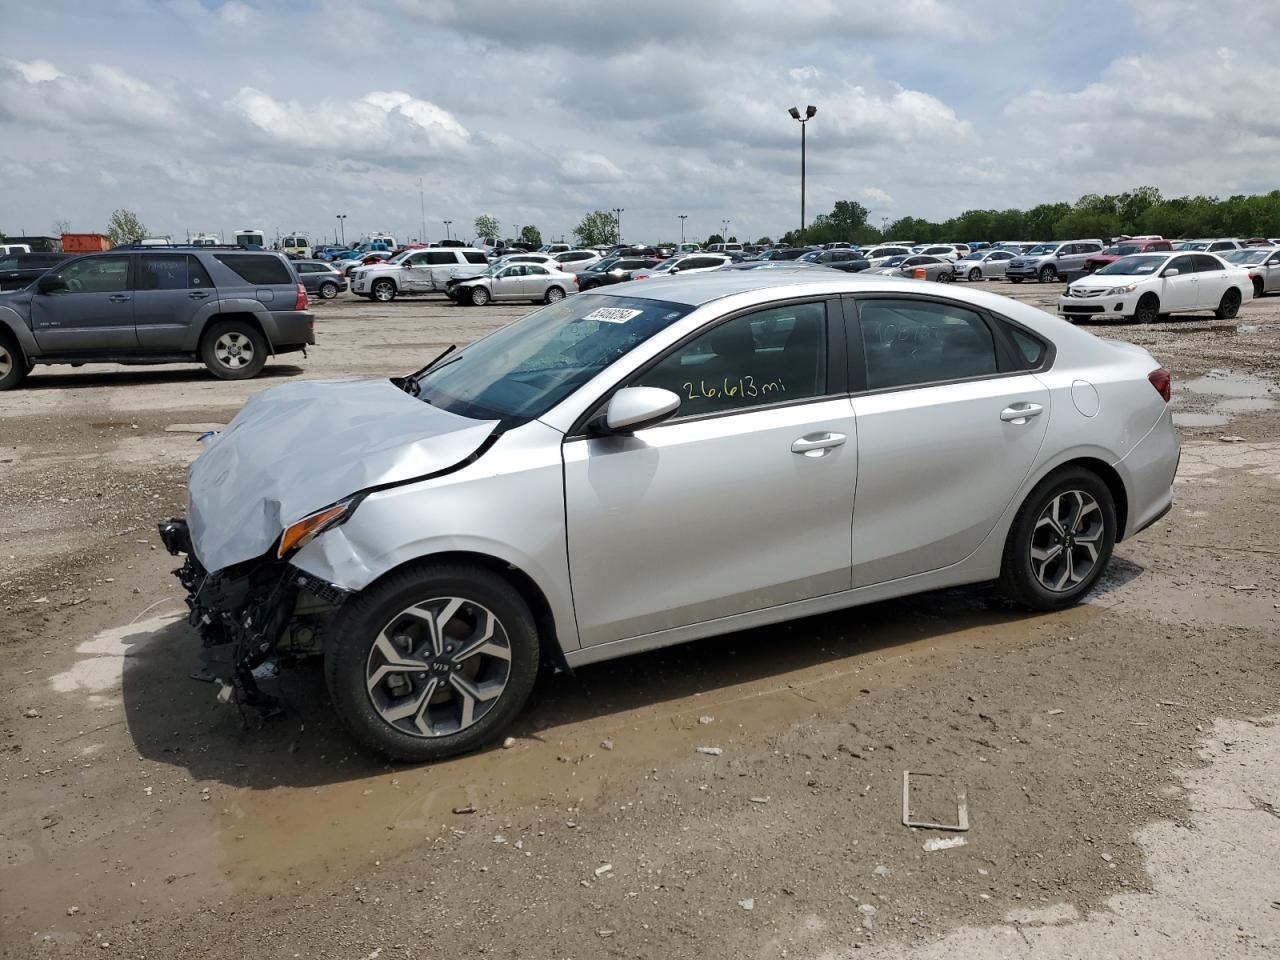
point(1229, 305)
point(1060, 541)
point(233, 350)
point(1258, 288)
point(433, 660)
point(946, 276)
point(479, 296)
point(554, 295)
point(384, 291)
point(975, 275)
point(1048, 274)
point(13, 365)
point(1148, 309)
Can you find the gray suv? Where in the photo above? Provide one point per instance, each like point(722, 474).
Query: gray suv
point(227, 308)
point(1047, 262)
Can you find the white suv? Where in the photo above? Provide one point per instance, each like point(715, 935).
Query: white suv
point(417, 271)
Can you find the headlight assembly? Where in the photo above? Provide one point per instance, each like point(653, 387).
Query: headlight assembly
point(298, 535)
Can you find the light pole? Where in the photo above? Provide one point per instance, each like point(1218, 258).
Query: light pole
point(683, 218)
point(617, 213)
point(447, 234)
point(724, 231)
point(342, 228)
point(809, 111)
point(422, 205)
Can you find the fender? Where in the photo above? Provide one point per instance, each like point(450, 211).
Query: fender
point(12, 321)
point(213, 311)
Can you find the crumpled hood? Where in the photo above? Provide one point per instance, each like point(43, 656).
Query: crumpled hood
point(296, 448)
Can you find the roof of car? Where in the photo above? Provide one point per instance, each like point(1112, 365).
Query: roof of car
point(696, 289)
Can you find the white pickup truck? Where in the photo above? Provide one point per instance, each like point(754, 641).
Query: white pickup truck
point(417, 271)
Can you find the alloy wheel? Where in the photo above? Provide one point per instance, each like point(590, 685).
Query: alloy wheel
point(233, 350)
point(554, 294)
point(438, 667)
point(383, 292)
point(6, 361)
point(974, 275)
point(1065, 540)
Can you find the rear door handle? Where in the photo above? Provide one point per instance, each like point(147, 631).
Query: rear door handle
point(1020, 412)
point(817, 444)
point(119, 298)
point(198, 295)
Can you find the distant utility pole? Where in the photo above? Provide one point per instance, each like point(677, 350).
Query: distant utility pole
point(422, 206)
point(617, 212)
point(683, 218)
point(448, 235)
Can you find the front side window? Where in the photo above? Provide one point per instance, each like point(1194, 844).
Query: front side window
point(917, 342)
point(97, 275)
point(526, 368)
point(770, 356)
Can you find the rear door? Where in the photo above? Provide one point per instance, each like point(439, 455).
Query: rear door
point(94, 314)
point(1214, 279)
point(169, 290)
point(1181, 292)
point(440, 266)
point(950, 423)
point(1270, 273)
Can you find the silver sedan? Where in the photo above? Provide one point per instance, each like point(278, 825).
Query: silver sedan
point(982, 264)
point(513, 281)
point(933, 268)
point(653, 463)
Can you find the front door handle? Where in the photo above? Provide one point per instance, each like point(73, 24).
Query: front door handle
point(198, 295)
point(1020, 412)
point(817, 444)
point(119, 298)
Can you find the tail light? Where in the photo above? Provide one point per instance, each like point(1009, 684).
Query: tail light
point(1162, 380)
point(576, 279)
point(301, 302)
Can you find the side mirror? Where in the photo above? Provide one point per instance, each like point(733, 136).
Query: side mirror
point(673, 271)
point(51, 283)
point(1171, 272)
point(633, 408)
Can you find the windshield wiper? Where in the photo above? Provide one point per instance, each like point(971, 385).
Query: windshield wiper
point(409, 384)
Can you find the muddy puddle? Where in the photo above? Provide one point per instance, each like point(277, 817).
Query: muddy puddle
point(220, 809)
point(1219, 396)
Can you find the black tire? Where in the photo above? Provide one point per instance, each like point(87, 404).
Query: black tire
point(13, 363)
point(975, 275)
point(1019, 581)
point(946, 276)
point(328, 291)
point(553, 295)
point(1258, 289)
point(1229, 305)
point(383, 291)
point(371, 612)
point(1014, 279)
point(1048, 274)
point(233, 350)
point(479, 296)
point(1148, 309)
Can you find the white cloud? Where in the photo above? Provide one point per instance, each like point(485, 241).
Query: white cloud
point(589, 168)
point(877, 197)
point(105, 95)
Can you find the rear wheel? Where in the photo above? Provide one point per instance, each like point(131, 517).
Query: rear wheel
point(1060, 541)
point(975, 275)
point(13, 364)
point(233, 350)
point(384, 291)
point(328, 291)
point(432, 660)
point(1148, 309)
point(1048, 274)
point(1229, 305)
point(553, 295)
point(946, 276)
point(1258, 288)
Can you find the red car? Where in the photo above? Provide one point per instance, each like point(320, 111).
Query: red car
point(1124, 248)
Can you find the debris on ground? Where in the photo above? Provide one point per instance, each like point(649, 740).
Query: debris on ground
point(943, 843)
point(710, 751)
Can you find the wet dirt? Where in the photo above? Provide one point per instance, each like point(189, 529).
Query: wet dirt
point(175, 825)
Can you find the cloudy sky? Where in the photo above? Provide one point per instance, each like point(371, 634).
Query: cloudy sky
point(213, 115)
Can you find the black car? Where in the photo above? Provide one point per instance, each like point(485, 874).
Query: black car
point(785, 253)
point(18, 270)
point(838, 258)
point(611, 271)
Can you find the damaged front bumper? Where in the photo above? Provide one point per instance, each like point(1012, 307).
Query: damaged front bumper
point(253, 617)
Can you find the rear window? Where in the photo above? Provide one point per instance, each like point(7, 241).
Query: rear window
point(440, 257)
point(257, 269)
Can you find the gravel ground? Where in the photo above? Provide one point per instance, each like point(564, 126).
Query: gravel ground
point(139, 819)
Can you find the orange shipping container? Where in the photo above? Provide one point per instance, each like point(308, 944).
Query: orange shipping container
point(84, 242)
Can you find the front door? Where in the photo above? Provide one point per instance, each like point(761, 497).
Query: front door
point(509, 283)
point(415, 274)
point(94, 314)
point(1180, 292)
point(946, 434)
point(169, 290)
point(742, 501)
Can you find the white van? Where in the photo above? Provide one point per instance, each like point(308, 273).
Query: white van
point(250, 238)
point(296, 245)
point(10, 248)
point(725, 248)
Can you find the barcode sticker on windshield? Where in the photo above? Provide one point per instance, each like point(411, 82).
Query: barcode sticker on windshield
point(612, 314)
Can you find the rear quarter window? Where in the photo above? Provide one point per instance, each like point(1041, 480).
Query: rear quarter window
point(475, 257)
point(257, 269)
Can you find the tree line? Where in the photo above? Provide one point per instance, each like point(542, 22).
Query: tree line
point(1142, 210)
